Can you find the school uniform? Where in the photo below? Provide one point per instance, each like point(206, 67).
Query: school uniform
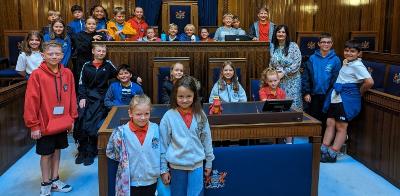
point(28, 63)
point(66, 46)
point(227, 95)
point(117, 94)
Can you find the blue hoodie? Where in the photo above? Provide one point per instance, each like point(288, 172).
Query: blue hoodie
point(320, 73)
point(77, 25)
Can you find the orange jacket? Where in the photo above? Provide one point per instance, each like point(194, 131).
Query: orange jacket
point(127, 30)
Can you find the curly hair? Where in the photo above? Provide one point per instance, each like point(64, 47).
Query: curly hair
point(269, 71)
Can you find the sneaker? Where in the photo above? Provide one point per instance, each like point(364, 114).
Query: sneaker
point(80, 157)
point(60, 186)
point(327, 158)
point(45, 189)
point(89, 159)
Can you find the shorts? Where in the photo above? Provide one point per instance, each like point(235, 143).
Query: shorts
point(336, 111)
point(47, 145)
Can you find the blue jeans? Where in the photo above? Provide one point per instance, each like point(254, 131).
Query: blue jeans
point(187, 183)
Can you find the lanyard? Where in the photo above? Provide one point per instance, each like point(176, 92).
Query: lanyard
point(55, 82)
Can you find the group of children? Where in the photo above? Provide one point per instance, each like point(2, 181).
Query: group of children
point(160, 151)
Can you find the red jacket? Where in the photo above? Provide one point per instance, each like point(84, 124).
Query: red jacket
point(140, 28)
point(265, 93)
point(41, 96)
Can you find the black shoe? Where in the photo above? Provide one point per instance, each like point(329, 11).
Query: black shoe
point(327, 158)
point(80, 157)
point(89, 159)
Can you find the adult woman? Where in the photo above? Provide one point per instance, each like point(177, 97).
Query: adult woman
point(286, 58)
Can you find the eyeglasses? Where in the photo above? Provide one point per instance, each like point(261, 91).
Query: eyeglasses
point(324, 42)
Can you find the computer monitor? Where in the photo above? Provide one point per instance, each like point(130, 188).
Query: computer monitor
point(277, 105)
point(237, 38)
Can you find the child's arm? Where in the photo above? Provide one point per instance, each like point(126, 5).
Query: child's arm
point(31, 107)
point(128, 30)
point(207, 144)
point(165, 137)
point(367, 84)
point(67, 52)
point(306, 81)
point(294, 55)
point(114, 145)
point(82, 91)
point(109, 98)
point(21, 64)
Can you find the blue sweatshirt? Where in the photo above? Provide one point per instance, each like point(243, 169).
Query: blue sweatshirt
point(114, 94)
point(77, 25)
point(66, 47)
point(184, 148)
point(227, 95)
point(320, 73)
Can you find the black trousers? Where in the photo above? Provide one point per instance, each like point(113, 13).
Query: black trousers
point(149, 190)
point(315, 109)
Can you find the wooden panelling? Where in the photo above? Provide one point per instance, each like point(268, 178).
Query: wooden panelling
point(15, 139)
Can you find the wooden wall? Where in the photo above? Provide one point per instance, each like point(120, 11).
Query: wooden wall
point(336, 16)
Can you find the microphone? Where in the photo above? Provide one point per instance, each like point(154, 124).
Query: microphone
point(255, 103)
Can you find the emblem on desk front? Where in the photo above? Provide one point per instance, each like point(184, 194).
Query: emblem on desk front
point(216, 180)
point(365, 45)
point(180, 15)
point(396, 78)
point(311, 45)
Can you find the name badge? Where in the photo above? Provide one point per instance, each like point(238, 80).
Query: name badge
point(58, 110)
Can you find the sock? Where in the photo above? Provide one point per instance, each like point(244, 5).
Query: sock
point(55, 179)
point(324, 148)
point(46, 183)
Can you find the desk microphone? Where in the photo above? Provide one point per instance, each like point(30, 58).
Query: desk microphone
point(254, 100)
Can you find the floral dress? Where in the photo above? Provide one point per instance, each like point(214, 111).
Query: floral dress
point(290, 66)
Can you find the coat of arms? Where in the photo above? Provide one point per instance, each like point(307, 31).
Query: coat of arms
point(216, 180)
point(396, 78)
point(311, 45)
point(180, 15)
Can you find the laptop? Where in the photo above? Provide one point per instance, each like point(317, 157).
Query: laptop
point(237, 38)
point(277, 105)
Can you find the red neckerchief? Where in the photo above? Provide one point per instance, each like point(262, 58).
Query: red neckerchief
point(140, 132)
point(187, 116)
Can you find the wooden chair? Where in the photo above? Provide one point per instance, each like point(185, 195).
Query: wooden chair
point(214, 66)
point(307, 42)
point(368, 39)
point(161, 72)
point(254, 88)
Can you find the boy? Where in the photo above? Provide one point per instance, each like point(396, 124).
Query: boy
point(52, 16)
point(150, 36)
point(78, 24)
point(93, 85)
point(139, 24)
point(172, 32)
point(121, 93)
point(263, 29)
point(343, 102)
point(236, 25)
point(204, 35)
point(50, 95)
point(118, 29)
point(320, 73)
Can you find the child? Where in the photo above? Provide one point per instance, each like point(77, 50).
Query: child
point(100, 14)
point(52, 16)
point(172, 32)
point(236, 25)
point(263, 29)
point(139, 24)
point(121, 93)
point(78, 24)
point(228, 88)
point(185, 141)
point(93, 85)
point(43, 111)
point(343, 102)
point(319, 75)
point(59, 34)
point(269, 85)
point(204, 35)
point(226, 29)
point(30, 57)
point(118, 29)
point(176, 72)
point(189, 34)
point(150, 36)
point(136, 146)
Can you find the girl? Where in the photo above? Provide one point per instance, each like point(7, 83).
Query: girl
point(136, 146)
point(204, 35)
point(93, 85)
point(189, 34)
point(58, 33)
point(100, 14)
point(185, 141)
point(83, 45)
point(269, 85)
point(227, 29)
point(150, 36)
point(228, 88)
point(30, 58)
point(139, 24)
point(176, 72)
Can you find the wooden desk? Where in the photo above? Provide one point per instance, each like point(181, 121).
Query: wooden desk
point(140, 56)
point(308, 127)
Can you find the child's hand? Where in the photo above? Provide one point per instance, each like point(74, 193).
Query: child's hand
point(36, 134)
point(82, 103)
point(139, 80)
point(307, 98)
point(166, 178)
point(207, 172)
point(97, 37)
point(118, 32)
point(71, 129)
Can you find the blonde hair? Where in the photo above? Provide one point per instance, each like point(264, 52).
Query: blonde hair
point(190, 26)
point(94, 45)
point(138, 100)
point(118, 10)
point(172, 68)
point(172, 25)
point(53, 12)
point(269, 71)
point(227, 15)
point(51, 43)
